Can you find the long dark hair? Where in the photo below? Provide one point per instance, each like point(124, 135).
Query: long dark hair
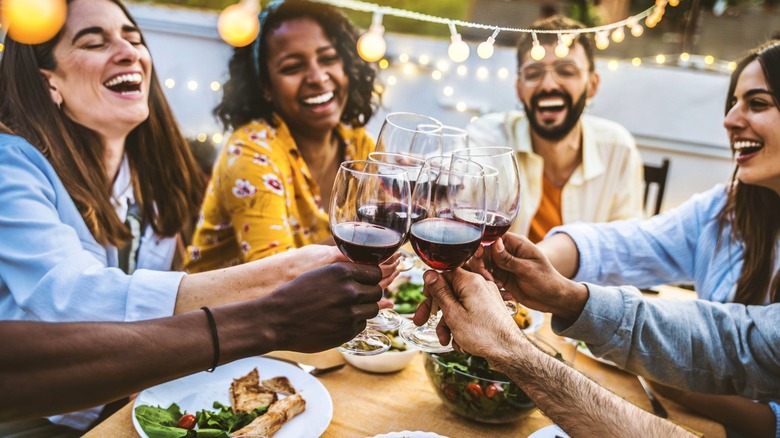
point(167, 182)
point(242, 98)
point(751, 210)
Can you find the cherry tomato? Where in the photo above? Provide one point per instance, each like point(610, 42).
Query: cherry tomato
point(493, 390)
point(474, 389)
point(187, 421)
point(449, 392)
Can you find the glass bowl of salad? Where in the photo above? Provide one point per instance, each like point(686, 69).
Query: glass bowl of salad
point(469, 387)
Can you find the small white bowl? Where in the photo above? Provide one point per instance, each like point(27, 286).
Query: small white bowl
point(388, 362)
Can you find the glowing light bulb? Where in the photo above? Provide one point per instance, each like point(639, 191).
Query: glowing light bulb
point(636, 62)
point(567, 39)
point(732, 66)
point(462, 70)
point(33, 21)
point(650, 22)
point(561, 49)
point(709, 59)
point(216, 138)
point(192, 85)
point(392, 80)
point(371, 46)
point(384, 63)
point(482, 73)
point(503, 73)
point(237, 24)
point(537, 51)
point(612, 64)
point(448, 91)
point(458, 50)
point(660, 59)
point(443, 66)
point(684, 56)
point(215, 86)
point(618, 35)
point(461, 106)
point(602, 40)
point(436, 75)
point(674, 3)
point(202, 137)
point(403, 57)
point(424, 60)
point(637, 30)
point(485, 49)
point(170, 83)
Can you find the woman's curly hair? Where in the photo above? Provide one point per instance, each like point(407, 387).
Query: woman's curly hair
point(242, 99)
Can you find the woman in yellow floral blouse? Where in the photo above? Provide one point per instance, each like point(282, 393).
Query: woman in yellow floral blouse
point(297, 100)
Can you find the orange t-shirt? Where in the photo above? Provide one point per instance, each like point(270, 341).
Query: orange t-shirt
point(549, 214)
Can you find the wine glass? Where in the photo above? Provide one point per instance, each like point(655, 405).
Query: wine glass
point(451, 190)
point(453, 139)
point(502, 193)
point(410, 134)
point(369, 220)
point(412, 165)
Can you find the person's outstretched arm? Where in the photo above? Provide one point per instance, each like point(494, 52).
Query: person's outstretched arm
point(48, 368)
point(475, 314)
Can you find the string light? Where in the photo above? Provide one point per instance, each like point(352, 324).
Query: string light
point(436, 75)
point(660, 59)
point(458, 50)
point(462, 70)
point(637, 30)
point(537, 51)
point(618, 35)
point(636, 62)
point(192, 85)
point(384, 63)
point(215, 86)
point(709, 59)
point(685, 56)
point(403, 57)
point(561, 49)
point(371, 46)
point(33, 21)
point(485, 49)
point(237, 24)
point(482, 73)
point(424, 60)
point(170, 83)
point(448, 91)
point(602, 40)
point(503, 73)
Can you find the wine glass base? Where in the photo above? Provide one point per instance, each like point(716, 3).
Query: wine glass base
point(407, 261)
point(423, 338)
point(387, 319)
point(368, 343)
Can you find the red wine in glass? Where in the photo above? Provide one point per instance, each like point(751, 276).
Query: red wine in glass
point(366, 243)
point(496, 225)
point(445, 244)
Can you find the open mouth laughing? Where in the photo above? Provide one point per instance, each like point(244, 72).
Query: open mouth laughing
point(319, 99)
point(746, 148)
point(125, 84)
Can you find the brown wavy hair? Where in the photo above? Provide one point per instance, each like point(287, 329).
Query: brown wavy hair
point(242, 98)
point(167, 183)
point(753, 211)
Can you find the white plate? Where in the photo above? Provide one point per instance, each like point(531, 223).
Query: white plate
point(409, 434)
point(551, 431)
point(201, 390)
point(584, 350)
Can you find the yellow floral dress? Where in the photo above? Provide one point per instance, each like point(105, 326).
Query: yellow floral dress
point(261, 199)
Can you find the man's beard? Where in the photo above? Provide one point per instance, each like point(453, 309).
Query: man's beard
point(573, 115)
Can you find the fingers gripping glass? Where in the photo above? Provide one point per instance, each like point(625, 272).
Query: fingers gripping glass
point(533, 74)
point(369, 220)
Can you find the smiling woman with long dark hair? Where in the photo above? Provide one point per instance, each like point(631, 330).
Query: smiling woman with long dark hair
point(297, 100)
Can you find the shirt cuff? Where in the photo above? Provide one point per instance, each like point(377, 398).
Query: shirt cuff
point(776, 409)
point(599, 321)
point(586, 239)
point(152, 294)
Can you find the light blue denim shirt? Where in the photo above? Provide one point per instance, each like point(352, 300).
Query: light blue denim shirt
point(696, 345)
point(679, 246)
point(52, 269)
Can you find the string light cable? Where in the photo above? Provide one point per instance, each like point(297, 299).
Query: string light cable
point(655, 12)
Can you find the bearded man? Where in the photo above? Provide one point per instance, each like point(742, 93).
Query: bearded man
point(573, 167)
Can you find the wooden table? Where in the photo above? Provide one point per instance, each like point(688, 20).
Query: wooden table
point(369, 404)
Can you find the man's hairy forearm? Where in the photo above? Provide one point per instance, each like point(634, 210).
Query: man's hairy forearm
point(574, 402)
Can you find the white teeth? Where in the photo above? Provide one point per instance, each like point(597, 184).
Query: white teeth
point(316, 100)
point(745, 144)
point(547, 103)
point(132, 78)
